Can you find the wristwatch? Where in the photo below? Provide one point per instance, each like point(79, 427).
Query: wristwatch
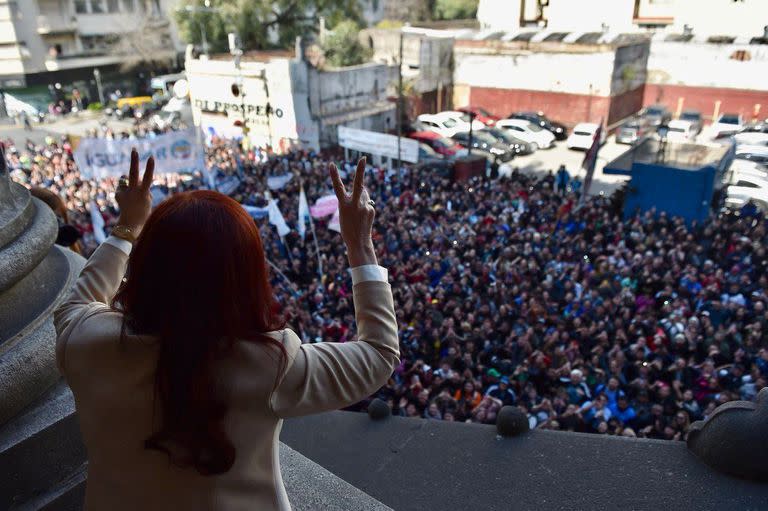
point(123, 232)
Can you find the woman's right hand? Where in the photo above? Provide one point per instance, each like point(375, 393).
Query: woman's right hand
point(356, 216)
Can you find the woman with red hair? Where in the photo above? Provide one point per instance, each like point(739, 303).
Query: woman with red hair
point(181, 370)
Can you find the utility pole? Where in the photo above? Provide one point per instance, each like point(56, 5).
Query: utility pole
point(206, 8)
point(399, 99)
point(99, 88)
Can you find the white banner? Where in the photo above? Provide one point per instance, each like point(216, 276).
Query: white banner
point(378, 143)
point(177, 151)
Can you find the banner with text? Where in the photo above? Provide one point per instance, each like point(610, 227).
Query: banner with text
point(177, 151)
point(378, 143)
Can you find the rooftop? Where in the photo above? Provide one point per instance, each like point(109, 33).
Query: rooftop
point(686, 156)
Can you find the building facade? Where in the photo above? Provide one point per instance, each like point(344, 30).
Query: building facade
point(284, 101)
point(703, 17)
point(570, 82)
point(46, 41)
point(427, 65)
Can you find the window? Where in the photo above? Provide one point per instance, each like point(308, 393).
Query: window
point(747, 184)
point(113, 5)
point(128, 6)
point(97, 6)
point(81, 6)
point(449, 123)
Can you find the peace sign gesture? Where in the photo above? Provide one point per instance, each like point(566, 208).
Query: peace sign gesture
point(133, 196)
point(356, 216)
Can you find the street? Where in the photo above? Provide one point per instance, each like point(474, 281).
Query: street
point(545, 160)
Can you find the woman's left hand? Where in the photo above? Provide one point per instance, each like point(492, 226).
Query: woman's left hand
point(133, 196)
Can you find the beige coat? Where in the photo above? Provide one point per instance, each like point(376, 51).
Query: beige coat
point(113, 387)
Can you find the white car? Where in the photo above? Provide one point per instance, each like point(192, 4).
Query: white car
point(726, 123)
point(583, 135)
point(752, 167)
point(448, 123)
point(737, 196)
point(746, 179)
point(751, 138)
point(535, 135)
point(681, 131)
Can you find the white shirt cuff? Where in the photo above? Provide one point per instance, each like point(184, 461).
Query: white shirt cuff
point(124, 246)
point(368, 272)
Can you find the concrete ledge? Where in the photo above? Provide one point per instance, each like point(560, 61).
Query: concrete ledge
point(424, 464)
point(311, 487)
point(40, 448)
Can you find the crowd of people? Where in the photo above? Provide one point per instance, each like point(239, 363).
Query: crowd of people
point(507, 291)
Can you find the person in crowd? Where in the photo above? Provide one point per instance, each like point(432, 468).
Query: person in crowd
point(179, 361)
point(67, 235)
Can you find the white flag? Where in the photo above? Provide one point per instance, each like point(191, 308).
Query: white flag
point(303, 213)
point(335, 223)
point(278, 182)
point(98, 223)
point(276, 218)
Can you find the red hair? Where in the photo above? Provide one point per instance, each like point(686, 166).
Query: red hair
point(197, 280)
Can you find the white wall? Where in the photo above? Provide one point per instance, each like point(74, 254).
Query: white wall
point(722, 17)
point(211, 89)
point(499, 14)
point(708, 65)
point(589, 15)
point(555, 72)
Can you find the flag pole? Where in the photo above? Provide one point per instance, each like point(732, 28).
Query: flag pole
point(314, 236)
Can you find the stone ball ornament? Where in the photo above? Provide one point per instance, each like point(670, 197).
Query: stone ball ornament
point(511, 421)
point(734, 439)
point(378, 410)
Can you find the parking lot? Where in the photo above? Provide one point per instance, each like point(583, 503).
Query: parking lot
point(544, 160)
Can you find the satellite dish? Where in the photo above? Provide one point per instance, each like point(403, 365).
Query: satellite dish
point(181, 88)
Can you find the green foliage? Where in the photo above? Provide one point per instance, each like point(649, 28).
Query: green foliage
point(342, 47)
point(95, 106)
point(455, 9)
point(261, 24)
point(389, 24)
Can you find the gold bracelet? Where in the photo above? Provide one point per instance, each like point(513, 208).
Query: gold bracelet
point(125, 233)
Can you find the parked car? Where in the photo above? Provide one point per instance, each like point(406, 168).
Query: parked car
point(583, 135)
point(655, 115)
point(448, 123)
point(558, 130)
point(442, 145)
point(631, 131)
point(738, 196)
point(749, 138)
point(757, 157)
point(432, 160)
point(746, 179)
point(749, 166)
point(728, 124)
point(681, 131)
point(519, 147)
point(481, 114)
point(695, 118)
point(538, 137)
point(485, 142)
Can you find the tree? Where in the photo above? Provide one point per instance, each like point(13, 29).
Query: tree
point(342, 47)
point(261, 24)
point(455, 9)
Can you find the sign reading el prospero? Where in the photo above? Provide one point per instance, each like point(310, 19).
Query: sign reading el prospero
point(250, 111)
point(177, 151)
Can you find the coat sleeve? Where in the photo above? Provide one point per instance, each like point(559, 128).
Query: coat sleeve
point(328, 376)
point(93, 291)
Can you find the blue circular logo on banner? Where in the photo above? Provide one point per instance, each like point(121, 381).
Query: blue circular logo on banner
point(181, 149)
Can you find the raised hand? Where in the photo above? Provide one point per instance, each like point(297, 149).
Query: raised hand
point(356, 216)
point(133, 196)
